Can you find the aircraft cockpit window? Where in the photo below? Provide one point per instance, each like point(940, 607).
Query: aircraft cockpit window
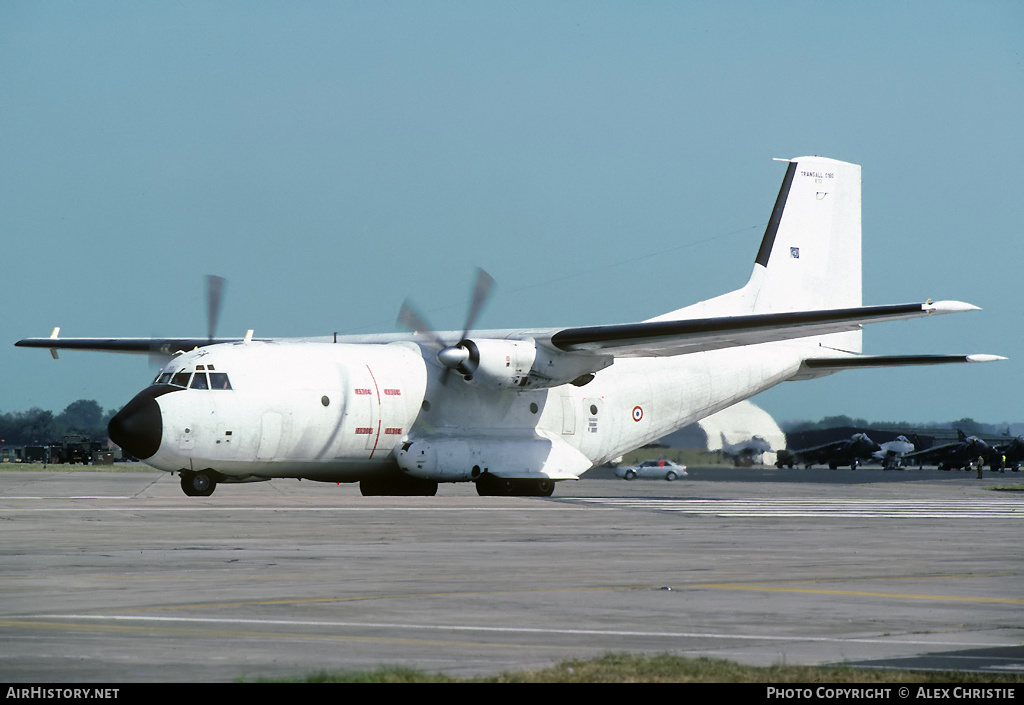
point(198, 380)
point(219, 380)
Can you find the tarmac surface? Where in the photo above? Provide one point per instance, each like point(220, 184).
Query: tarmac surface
point(121, 578)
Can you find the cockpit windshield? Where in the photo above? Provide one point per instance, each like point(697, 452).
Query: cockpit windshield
point(203, 377)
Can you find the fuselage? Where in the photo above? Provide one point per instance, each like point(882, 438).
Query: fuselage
point(341, 412)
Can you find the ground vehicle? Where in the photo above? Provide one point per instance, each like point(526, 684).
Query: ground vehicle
point(655, 469)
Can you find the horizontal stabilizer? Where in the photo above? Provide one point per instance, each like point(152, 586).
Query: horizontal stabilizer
point(814, 367)
point(853, 363)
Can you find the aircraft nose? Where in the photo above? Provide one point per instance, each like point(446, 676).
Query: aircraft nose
point(139, 426)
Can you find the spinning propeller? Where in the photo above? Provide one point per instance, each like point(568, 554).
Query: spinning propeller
point(159, 354)
point(214, 297)
point(452, 357)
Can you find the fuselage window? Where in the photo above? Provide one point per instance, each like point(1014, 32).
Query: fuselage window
point(219, 380)
point(199, 381)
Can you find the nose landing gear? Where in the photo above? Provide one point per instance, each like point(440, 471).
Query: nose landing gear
point(198, 484)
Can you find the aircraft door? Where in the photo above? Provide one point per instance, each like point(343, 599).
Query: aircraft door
point(568, 416)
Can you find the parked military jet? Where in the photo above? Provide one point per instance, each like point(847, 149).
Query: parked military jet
point(1008, 455)
point(890, 454)
point(966, 454)
point(846, 452)
point(514, 410)
point(746, 453)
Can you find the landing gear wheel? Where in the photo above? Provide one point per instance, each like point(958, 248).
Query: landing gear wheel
point(397, 486)
point(545, 488)
point(198, 484)
point(490, 486)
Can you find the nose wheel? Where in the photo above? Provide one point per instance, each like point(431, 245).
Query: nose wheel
point(198, 484)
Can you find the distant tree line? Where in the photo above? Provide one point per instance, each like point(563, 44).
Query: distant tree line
point(967, 425)
point(84, 417)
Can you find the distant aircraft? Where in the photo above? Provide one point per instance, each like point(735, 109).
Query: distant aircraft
point(1008, 455)
point(890, 454)
point(746, 453)
point(966, 454)
point(513, 410)
point(847, 452)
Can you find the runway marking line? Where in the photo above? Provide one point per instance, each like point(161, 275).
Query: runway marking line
point(860, 593)
point(198, 631)
point(778, 587)
point(981, 509)
point(216, 508)
point(197, 621)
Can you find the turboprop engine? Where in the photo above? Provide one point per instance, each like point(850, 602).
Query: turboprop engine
point(505, 363)
point(494, 363)
point(502, 363)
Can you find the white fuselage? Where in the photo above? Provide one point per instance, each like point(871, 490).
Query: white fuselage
point(340, 412)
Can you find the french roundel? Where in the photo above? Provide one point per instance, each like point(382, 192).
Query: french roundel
point(638, 413)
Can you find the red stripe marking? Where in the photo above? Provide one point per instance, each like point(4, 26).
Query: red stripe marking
point(375, 386)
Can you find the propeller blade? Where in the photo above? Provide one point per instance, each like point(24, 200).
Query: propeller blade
point(451, 357)
point(214, 296)
point(481, 291)
point(409, 319)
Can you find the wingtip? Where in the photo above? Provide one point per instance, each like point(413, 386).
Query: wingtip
point(949, 306)
point(985, 358)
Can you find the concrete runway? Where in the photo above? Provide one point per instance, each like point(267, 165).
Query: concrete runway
point(119, 578)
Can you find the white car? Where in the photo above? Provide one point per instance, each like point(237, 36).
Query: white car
point(655, 469)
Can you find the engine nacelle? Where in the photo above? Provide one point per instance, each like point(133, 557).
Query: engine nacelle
point(502, 363)
point(498, 363)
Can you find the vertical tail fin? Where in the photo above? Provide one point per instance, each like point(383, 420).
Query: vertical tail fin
point(810, 256)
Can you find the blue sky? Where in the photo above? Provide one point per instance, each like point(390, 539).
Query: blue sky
point(605, 162)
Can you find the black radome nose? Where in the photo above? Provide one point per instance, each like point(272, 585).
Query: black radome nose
point(138, 427)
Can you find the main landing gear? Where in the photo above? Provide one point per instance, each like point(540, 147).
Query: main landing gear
point(397, 486)
point(488, 485)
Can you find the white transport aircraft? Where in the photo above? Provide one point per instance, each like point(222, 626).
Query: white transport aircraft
point(514, 410)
